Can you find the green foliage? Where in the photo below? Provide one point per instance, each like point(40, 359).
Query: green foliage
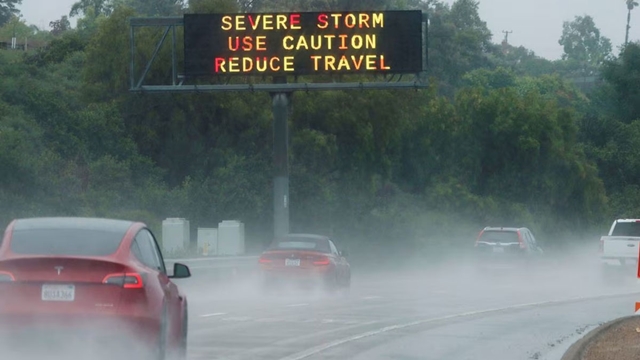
point(8, 10)
point(459, 41)
point(213, 6)
point(500, 138)
point(60, 26)
point(583, 44)
point(624, 76)
point(487, 79)
point(59, 49)
point(522, 60)
point(92, 8)
point(105, 69)
point(155, 7)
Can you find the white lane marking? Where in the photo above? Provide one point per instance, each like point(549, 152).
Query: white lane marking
point(237, 318)
point(214, 314)
point(307, 335)
point(268, 320)
point(296, 321)
point(329, 345)
point(371, 297)
point(296, 305)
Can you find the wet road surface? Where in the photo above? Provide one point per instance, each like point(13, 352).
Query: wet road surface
point(448, 313)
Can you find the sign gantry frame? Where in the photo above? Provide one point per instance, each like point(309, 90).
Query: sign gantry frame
point(280, 91)
point(170, 25)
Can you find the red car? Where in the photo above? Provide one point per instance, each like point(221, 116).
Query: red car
point(90, 280)
point(305, 260)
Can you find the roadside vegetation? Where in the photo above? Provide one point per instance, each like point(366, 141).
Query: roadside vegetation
point(502, 137)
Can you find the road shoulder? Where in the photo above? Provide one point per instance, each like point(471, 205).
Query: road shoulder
point(616, 339)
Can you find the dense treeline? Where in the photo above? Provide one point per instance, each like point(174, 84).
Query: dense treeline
point(502, 137)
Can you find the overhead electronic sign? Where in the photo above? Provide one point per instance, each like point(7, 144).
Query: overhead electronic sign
point(303, 43)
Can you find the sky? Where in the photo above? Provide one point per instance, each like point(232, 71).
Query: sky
point(536, 24)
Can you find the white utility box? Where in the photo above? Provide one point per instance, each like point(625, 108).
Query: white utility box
point(208, 241)
point(176, 234)
point(231, 238)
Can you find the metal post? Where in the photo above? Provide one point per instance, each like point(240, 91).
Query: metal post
point(132, 60)
point(174, 64)
point(14, 40)
point(626, 36)
point(280, 108)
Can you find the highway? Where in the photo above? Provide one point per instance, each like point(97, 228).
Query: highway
point(446, 313)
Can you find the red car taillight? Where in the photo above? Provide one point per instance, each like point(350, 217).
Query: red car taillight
point(126, 280)
point(264, 260)
point(6, 276)
point(322, 261)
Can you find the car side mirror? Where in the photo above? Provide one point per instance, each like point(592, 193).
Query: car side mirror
point(180, 271)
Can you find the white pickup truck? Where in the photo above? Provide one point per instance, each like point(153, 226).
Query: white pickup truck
point(619, 249)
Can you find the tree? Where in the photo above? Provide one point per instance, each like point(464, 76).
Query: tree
point(522, 60)
point(8, 10)
point(523, 147)
point(219, 6)
point(60, 26)
point(369, 166)
point(92, 7)
point(584, 45)
point(459, 41)
point(630, 5)
point(312, 5)
point(156, 7)
point(623, 75)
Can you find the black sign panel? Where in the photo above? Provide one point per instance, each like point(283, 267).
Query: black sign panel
point(303, 43)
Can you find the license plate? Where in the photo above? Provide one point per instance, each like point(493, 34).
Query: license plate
point(498, 250)
point(292, 262)
point(58, 293)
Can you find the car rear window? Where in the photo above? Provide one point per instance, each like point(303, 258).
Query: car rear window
point(309, 244)
point(72, 242)
point(626, 229)
point(494, 236)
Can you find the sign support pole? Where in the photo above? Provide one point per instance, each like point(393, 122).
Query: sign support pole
point(637, 307)
point(280, 109)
